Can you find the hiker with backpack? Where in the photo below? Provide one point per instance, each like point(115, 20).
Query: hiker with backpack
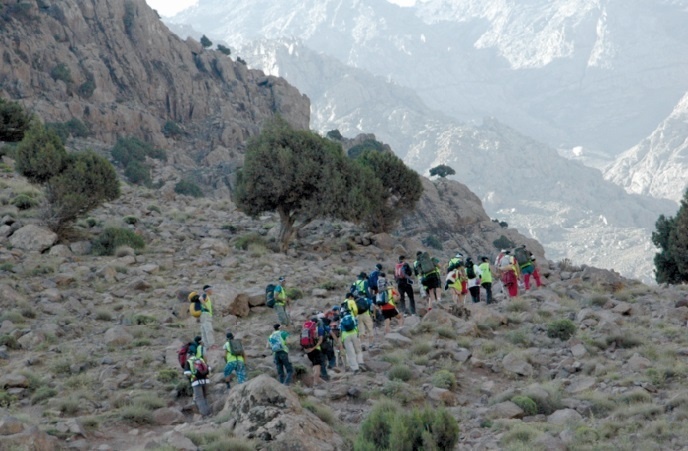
point(360, 286)
point(281, 302)
point(198, 373)
point(508, 269)
point(312, 337)
point(336, 333)
point(526, 266)
point(486, 277)
point(429, 270)
point(455, 262)
point(195, 306)
point(403, 275)
point(473, 275)
point(372, 279)
point(385, 302)
point(235, 359)
point(536, 272)
point(278, 345)
point(361, 308)
point(457, 281)
point(207, 318)
point(352, 344)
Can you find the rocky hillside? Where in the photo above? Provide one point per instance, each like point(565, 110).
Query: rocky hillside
point(114, 66)
point(658, 165)
point(88, 343)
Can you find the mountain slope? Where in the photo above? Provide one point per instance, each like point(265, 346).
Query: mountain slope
point(658, 165)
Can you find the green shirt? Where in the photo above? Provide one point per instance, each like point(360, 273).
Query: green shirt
point(280, 295)
point(206, 304)
point(486, 274)
point(229, 357)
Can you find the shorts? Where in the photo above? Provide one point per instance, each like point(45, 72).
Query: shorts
point(432, 281)
point(390, 313)
point(528, 269)
point(315, 357)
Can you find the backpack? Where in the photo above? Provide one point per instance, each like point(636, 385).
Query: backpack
point(470, 271)
point(275, 343)
point(309, 334)
point(201, 368)
point(236, 347)
point(183, 355)
point(381, 298)
point(372, 278)
point(454, 263)
point(521, 255)
point(347, 323)
point(358, 288)
point(270, 295)
point(195, 309)
point(425, 263)
point(401, 271)
point(362, 304)
point(504, 262)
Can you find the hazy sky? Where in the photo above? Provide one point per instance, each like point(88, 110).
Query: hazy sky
point(171, 7)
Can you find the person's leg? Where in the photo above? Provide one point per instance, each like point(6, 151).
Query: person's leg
point(526, 280)
point(412, 299)
point(351, 353)
point(199, 399)
point(365, 324)
point(536, 276)
point(488, 291)
point(358, 350)
point(402, 296)
point(323, 367)
point(207, 330)
point(229, 368)
point(400, 318)
point(280, 368)
point(387, 325)
point(475, 294)
point(241, 372)
point(288, 367)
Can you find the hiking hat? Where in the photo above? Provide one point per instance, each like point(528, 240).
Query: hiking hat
point(503, 251)
point(485, 259)
point(230, 335)
point(205, 287)
point(419, 253)
point(335, 308)
point(282, 279)
point(379, 266)
point(198, 339)
point(321, 315)
point(458, 255)
point(402, 258)
point(349, 295)
point(276, 326)
point(363, 275)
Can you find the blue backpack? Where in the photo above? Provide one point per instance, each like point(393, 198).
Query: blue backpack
point(275, 343)
point(347, 323)
point(372, 278)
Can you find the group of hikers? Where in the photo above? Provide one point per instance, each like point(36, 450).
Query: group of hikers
point(348, 328)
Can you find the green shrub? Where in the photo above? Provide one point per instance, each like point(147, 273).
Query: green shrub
point(61, 72)
point(294, 293)
point(113, 237)
point(446, 332)
point(321, 411)
point(77, 128)
point(87, 88)
point(9, 341)
point(563, 329)
point(389, 427)
point(131, 220)
point(444, 379)
point(6, 399)
point(526, 404)
point(40, 155)
point(14, 121)
point(188, 188)
point(433, 242)
point(244, 241)
point(624, 340)
point(168, 375)
point(503, 243)
point(421, 348)
point(136, 414)
point(43, 393)
point(138, 173)
point(24, 201)
point(223, 49)
point(172, 129)
point(400, 372)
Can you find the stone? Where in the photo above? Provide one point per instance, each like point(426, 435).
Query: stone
point(81, 247)
point(638, 363)
point(565, 416)
point(150, 268)
point(581, 384)
point(168, 415)
point(14, 380)
point(506, 410)
point(11, 426)
point(239, 306)
point(623, 308)
point(60, 250)
point(397, 339)
point(33, 238)
point(578, 351)
point(517, 365)
point(117, 335)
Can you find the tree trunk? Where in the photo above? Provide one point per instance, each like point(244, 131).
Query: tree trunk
point(286, 230)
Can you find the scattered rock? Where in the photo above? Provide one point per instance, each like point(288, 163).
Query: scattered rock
point(565, 416)
point(33, 238)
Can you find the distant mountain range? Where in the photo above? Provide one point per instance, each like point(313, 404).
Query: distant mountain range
point(494, 89)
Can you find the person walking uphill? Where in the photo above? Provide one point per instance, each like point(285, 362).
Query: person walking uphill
point(280, 352)
point(349, 337)
point(198, 372)
point(235, 358)
point(207, 318)
point(404, 278)
point(486, 277)
point(281, 302)
point(508, 268)
point(473, 274)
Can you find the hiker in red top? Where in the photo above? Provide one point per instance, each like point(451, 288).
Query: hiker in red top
point(508, 268)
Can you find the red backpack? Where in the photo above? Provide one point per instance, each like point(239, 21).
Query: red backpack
point(201, 369)
point(399, 272)
point(309, 334)
point(183, 354)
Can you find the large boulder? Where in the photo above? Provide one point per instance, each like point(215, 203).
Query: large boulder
point(33, 238)
point(266, 410)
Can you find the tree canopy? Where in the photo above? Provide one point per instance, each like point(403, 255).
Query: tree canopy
point(442, 171)
point(14, 121)
point(671, 237)
point(303, 176)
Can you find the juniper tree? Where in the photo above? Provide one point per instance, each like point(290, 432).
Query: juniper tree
point(14, 121)
point(671, 237)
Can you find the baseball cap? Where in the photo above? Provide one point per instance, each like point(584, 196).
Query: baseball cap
point(276, 326)
point(198, 339)
point(335, 308)
point(282, 279)
point(458, 255)
point(378, 266)
point(205, 287)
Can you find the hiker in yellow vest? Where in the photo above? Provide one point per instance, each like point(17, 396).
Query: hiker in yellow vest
point(234, 362)
point(486, 277)
point(207, 318)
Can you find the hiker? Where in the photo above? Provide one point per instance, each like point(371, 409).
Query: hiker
point(404, 278)
point(455, 262)
point(361, 308)
point(282, 302)
point(280, 352)
point(430, 272)
point(524, 258)
point(486, 278)
point(329, 342)
point(197, 372)
point(536, 273)
point(389, 310)
point(207, 318)
point(235, 360)
point(312, 337)
point(419, 275)
point(349, 329)
point(372, 279)
point(360, 286)
point(473, 275)
point(508, 270)
point(456, 281)
point(335, 332)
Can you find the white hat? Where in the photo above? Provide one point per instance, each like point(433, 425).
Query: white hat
point(459, 255)
point(502, 251)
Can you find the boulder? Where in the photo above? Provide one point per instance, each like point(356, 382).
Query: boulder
point(638, 363)
point(33, 238)
point(507, 410)
point(11, 426)
point(269, 411)
point(117, 335)
point(239, 306)
point(565, 416)
point(168, 415)
point(581, 384)
point(517, 365)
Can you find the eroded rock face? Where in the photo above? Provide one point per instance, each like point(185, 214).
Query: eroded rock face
point(55, 64)
point(266, 410)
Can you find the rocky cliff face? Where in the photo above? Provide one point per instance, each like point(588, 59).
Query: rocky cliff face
point(114, 65)
point(658, 165)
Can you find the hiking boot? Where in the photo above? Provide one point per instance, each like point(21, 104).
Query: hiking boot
point(357, 372)
point(325, 378)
